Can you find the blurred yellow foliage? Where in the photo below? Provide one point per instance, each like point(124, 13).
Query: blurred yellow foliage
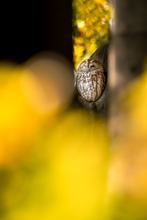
point(28, 101)
point(128, 170)
point(66, 176)
point(90, 26)
point(80, 162)
point(137, 107)
point(66, 171)
point(19, 121)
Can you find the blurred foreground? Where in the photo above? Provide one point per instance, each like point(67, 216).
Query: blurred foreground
point(61, 163)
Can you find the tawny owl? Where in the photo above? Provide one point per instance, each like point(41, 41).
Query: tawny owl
point(91, 78)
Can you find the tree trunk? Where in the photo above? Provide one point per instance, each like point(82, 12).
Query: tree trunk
point(128, 50)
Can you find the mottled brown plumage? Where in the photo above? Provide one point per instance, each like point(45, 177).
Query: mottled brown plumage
point(90, 80)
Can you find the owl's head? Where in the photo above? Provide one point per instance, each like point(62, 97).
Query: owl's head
point(90, 80)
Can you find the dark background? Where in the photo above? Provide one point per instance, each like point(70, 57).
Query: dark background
point(28, 27)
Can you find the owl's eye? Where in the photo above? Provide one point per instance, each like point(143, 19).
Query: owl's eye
point(93, 65)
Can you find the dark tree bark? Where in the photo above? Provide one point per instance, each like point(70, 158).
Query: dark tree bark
point(129, 41)
point(128, 50)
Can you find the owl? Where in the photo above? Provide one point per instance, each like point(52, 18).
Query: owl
point(90, 80)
